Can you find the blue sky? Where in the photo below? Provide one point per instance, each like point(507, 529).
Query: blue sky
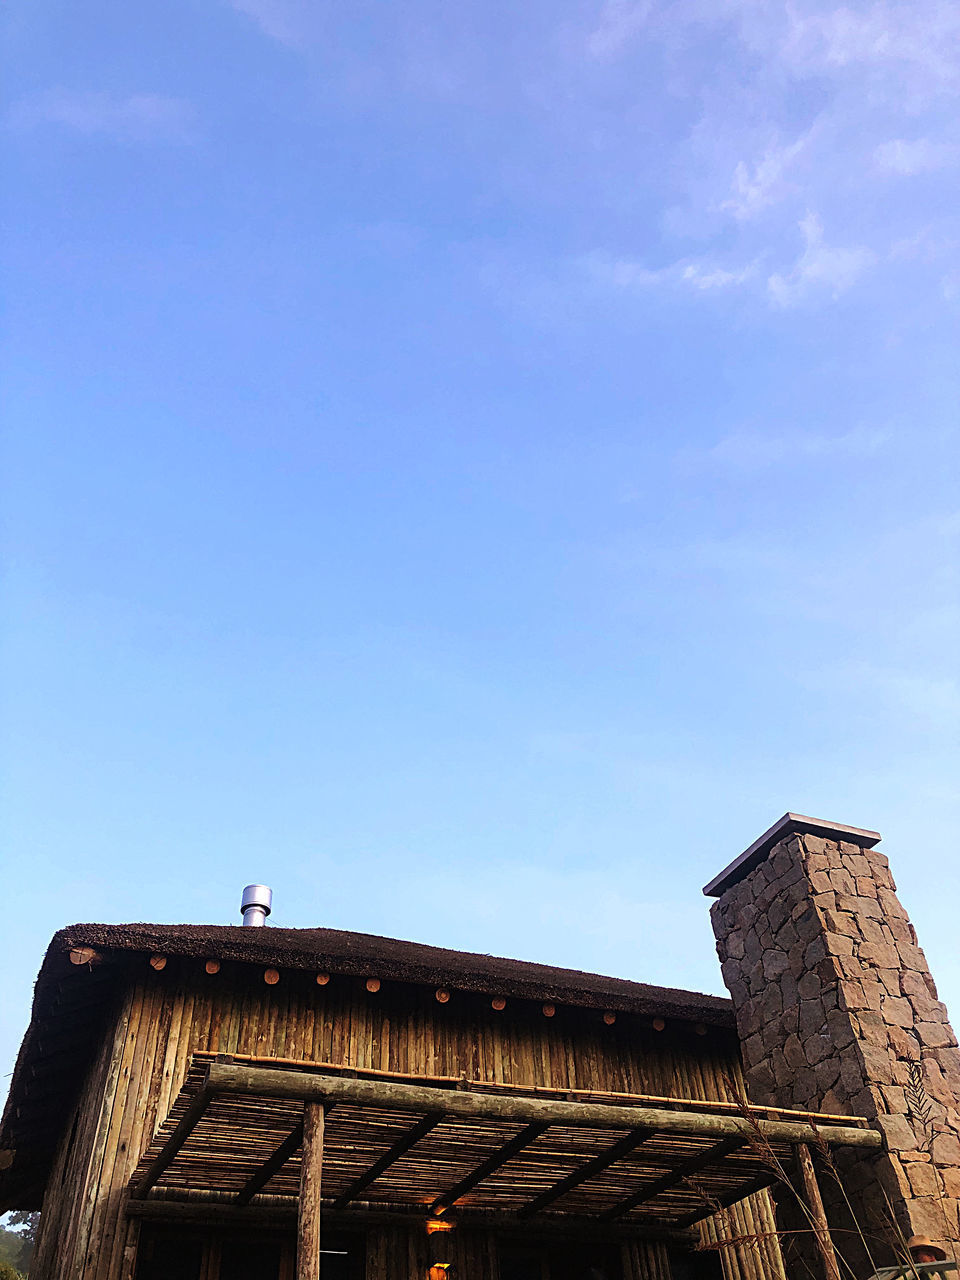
point(475, 466)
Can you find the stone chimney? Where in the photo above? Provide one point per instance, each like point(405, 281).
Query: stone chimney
point(837, 1012)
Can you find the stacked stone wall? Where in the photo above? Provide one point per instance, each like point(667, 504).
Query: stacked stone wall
point(837, 1011)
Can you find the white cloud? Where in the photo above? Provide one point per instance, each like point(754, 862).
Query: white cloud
point(619, 22)
point(757, 449)
point(920, 37)
point(758, 185)
point(281, 20)
point(921, 155)
point(139, 117)
point(707, 277)
point(821, 268)
point(626, 274)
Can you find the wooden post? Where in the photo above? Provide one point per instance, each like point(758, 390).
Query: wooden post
point(308, 1215)
point(817, 1213)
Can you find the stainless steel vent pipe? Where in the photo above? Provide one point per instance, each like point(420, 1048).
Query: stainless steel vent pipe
point(255, 904)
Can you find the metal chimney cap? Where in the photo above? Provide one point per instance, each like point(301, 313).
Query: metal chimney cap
point(256, 902)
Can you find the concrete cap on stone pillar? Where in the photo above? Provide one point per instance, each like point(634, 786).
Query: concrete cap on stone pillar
point(787, 825)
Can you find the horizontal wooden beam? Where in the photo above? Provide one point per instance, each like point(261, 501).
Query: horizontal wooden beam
point(399, 1148)
point(273, 1164)
point(713, 1155)
point(215, 1212)
point(384, 1094)
point(168, 1152)
point(586, 1171)
point(490, 1165)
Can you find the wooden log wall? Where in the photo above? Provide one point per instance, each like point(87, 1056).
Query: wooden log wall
point(182, 1009)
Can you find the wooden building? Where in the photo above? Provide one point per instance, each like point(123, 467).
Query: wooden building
point(218, 1103)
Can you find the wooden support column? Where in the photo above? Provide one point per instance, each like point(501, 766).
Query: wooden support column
point(818, 1215)
point(308, 1214)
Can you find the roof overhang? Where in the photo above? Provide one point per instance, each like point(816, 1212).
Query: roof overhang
point(236, 1129)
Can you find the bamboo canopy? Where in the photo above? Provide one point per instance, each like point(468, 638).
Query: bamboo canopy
point(238, 1129)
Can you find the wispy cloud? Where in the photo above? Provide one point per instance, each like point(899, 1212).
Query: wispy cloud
point(618, 23)
point(921, 155)
point(758, 185)
point(281, 20)
point(754, 450)
point(138, 117)
point(820, 269)
point(626, 275)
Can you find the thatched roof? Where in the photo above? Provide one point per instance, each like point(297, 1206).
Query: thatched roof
point(45, 1083)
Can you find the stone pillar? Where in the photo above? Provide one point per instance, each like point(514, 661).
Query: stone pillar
point(837, 1012)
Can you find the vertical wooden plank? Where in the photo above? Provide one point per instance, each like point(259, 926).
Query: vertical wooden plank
point(308, 1212)
point(97, 1238)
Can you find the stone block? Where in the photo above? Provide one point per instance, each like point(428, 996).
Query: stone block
point(897, 1011)
point(872, 1028)
point(912, 956)
point(821, 882)
point(866, 886)
point(880, 955)
point(937, 1085)
point(903, 1044)
point(827, 1073)
point(787, 936)
point(946, 1150)
point(839, 944)
point(807, 922)
point(851, 994)
point(834, 1104)
point(749, 1019)
point(857, 863)
point(900, 929)
point(928, 1010)
point(809, 986)
point(841, 882)
point(813, 845)
point(891, 904)
point(891, 981)
point(873, 990)
point(774, 963)
point(912, 983)
point(790, 1020)
point(934, 1035)
point(844, 922)
point(816, 1048)
point(895, 1099)
point(877, 1064)
point(817, 949)
point(925, 1217)
point(923, 1179)
point(897, 1132)
point(733, 945)
point(761, 1084)
point(788, 990)
point(752, 1050)
point(874, 930)
point(830, 969)
point(771, 1003)
point(840, 1028)
point(793, 1052)
point(778, 914)
point(813, 1018)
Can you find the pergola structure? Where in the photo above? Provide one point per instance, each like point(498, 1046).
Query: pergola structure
point(242, 1128)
